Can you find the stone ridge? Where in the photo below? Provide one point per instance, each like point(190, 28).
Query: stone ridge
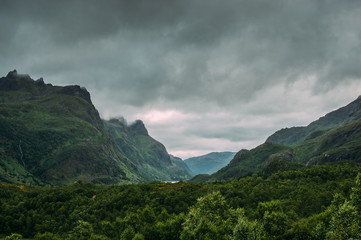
point(77, 91)
point(14, 81)
point(14, 75)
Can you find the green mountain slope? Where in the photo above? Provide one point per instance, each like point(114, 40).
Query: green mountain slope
point(337, 118)
point(333, 138)
point(250, 161)
point(54, 135)
point(149, 155)
point(209, 163)
point(338, 144)
point(180, 163)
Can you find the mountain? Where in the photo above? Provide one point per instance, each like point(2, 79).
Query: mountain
point(337, 118)
point(336, 137)
point(54, 135)
point(250, 161)
point(209, 163)
point(180, 163)
point(149, 155)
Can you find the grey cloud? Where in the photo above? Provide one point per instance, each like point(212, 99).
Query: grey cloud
point(73, 20)
point(269, 41)
point(194, 56)
point(233, 134)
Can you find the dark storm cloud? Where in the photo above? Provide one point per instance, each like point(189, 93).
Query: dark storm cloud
point(268, 41)
point(191, 55)
point(70, 21)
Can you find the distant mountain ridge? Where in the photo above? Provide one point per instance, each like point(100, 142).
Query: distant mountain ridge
point(336, 137)
point(337, 118)
point(54, 135)
point(209, 163)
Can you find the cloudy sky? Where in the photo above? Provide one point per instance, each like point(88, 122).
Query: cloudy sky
point(203, 75)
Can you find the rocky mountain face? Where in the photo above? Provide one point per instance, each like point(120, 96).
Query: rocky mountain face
point(54, 135)
point(209, 163)
point(149, 155)
point(336, 137)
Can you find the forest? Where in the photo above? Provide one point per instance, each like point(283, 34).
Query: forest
point(318, 202)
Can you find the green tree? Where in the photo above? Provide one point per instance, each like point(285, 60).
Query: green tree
point(344, 223)
point(83, 231)
point(170, 229)
point(271, 206)
point(356, 193)
point(248, 230)
point(127, 234)
point(210, 218)
point(14, 236)
point(108, 229)
point(319, 233)
point(99, 237)
point(275, 223)
point(146, 215)
point(47, 236)
point(138, 236)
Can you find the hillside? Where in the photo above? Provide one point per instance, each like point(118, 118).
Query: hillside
point(149, 155)
point(180, 163)
point(337, 118)
point(251, 161)
point(295, 204)
point(54, 135)
point(335, 137)
point(209, 163)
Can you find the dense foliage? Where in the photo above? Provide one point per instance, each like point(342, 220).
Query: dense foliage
point(319, 202)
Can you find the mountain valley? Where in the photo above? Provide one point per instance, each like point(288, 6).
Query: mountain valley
point(54, 135)
point(209, 163)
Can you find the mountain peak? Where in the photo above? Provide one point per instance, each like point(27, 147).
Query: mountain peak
point(15, 81)
point(12, 74)
point(138, 127)
point(15, 75)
